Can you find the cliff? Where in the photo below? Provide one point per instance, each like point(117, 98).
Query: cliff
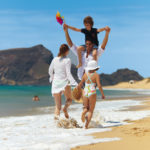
point(29, 66)
point(25, 66)
point(121, 75)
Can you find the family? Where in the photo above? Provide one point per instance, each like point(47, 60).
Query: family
point(60, 70)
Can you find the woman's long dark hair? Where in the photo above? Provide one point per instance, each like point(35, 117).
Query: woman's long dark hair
point(62, 50)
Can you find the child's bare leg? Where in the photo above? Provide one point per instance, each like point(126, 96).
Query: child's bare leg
point(85, 108)
point(94, 53)
point(92, 102)
point(79, 51)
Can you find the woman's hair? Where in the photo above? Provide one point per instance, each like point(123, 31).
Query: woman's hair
point(89, 20)
point(63, 49)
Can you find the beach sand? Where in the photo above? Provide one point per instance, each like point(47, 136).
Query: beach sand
point(134, 136)
point(144, 84)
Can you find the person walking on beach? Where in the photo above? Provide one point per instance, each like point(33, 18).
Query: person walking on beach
point(61, 78)
point(86, 55)
point(91, 80)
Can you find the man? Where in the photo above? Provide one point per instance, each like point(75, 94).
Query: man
point(86, 55)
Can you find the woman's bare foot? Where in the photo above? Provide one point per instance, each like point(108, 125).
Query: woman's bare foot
point(56, 117)
point(65, 113)
point(83, 117)
point(78, 66)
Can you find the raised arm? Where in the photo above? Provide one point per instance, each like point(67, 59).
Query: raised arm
point(68, 39)
point(105, 40)
point(73, 28)
point(101, 29)
point(99, 86)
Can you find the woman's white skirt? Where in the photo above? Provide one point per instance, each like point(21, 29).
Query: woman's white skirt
point(59, 86)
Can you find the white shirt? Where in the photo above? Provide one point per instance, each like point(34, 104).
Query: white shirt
point(84, 59)
point(59, 70)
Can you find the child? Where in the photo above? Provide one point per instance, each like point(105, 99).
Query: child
point(91, 79)
point(90, 34)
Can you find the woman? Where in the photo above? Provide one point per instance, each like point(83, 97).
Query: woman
point(61, 78)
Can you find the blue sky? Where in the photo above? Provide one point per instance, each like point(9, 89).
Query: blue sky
point(26, 23)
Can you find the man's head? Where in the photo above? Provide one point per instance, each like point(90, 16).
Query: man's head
point(88, 22)
point(89, 45)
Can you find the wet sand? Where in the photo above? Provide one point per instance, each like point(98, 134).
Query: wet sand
point(134, 136)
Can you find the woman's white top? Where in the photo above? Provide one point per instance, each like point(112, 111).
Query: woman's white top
point(60, 74)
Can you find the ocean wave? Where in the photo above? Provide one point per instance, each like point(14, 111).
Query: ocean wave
point(41, 132)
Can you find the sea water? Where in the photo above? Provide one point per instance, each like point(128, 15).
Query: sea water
point(35, 128)
point(17, 100)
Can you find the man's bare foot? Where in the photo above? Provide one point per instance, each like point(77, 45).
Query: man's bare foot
point(78, 66)
point(83, 117)
point(65, 113)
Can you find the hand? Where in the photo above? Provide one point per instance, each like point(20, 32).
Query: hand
point(78, 87)
point(65, 27)
point(103, 96)
point(107, 29)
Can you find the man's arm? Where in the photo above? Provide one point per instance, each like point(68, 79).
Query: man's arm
point(68, 39)
point(105, 40)
point(73, 28)
point(104, 43)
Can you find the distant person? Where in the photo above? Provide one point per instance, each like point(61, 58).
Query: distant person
point(62, 79)
point(35, 98)
point(90, 34)
point(86, 55)
point(91, 80)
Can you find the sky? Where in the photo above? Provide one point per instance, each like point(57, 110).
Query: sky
point(25, 23)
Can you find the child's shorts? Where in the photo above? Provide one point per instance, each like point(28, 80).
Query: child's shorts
point(94, 47)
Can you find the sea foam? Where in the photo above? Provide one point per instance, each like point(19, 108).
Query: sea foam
point(40, 132)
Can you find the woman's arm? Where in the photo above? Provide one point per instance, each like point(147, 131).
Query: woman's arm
point(51, 71)
point(99, 85)
point(81, 82)
point(68, 72)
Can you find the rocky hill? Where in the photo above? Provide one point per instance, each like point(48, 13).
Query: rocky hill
point(29, 66)
point(25, 66)
point(121, 75)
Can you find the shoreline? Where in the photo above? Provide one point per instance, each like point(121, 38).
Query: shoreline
point(108, 113)
point(141, 85)
point(34, 111)
point(134, 135)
